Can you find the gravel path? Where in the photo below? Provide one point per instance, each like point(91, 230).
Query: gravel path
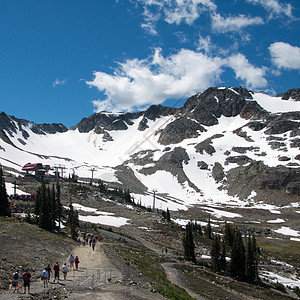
point(78, 284)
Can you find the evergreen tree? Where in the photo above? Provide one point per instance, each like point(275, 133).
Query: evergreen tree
point(208, 231)
point(45, 219)
point(102, 186)
point(237, 267)
point(197, 228)
point(74, 178)
point(127, 197)
point(37, 205)
point(255, 247)
point(168, 217)
point(58, 205)
point(73, 221)
point(53, 206)
point(229, 234)
point(223, 257)
point(188, 244)
point(215, 254)
point(4, 203)
point(251, 260)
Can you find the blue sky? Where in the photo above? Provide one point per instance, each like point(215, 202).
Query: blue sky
point(62, 60)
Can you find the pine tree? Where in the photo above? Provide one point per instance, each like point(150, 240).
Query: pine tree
point(168, 217)
point(208, 231)
point(223, 257)
point(215, 254)
point(188, 244)
point(53, 207)
point(237, 266)
point(127, 196)
point(58, 205)
point(73, 221)
point(197, 227)
point(37, 205)
point(4, 203)
point(44, 208)
point(102, 186)
point(251, 260)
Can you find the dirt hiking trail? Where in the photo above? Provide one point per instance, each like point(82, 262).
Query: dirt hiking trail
point(97, 277)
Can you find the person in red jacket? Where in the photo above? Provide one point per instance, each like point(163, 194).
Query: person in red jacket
point(76, 262)
point(56, 272)
point(26, 279)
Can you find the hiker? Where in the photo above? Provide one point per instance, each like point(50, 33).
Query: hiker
point(64, 269)
point(45, 277)
point(90, 242)
point(93, 243)
point(78, 241)
point(83, 242)
point(71, 261)
point(26, 279)
point(16, 279)
point(76, 262)
point(48, 268)
point(56, 272)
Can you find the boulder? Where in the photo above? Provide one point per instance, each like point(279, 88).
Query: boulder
point(218, 172)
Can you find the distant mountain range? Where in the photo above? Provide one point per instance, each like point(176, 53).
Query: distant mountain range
point(224, 145)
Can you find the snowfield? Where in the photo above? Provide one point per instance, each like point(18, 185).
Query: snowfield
point(288, 231)
point(98, 217)
point(291, 281)
point(10, 189)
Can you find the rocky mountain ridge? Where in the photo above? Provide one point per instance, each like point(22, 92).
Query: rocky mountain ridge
point(11, 124)
point(180, 141)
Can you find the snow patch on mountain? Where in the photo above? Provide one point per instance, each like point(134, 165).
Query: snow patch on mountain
point(231, 142)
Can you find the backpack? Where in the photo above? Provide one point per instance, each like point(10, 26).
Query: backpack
point(26, 276)
point(16, 276)
point(45, 274)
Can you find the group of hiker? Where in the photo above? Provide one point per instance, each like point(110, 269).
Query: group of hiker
point(91, 241)
point(46, 274)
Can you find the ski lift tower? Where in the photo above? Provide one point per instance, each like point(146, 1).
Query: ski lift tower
point(154, 191)
point(92, 170)
point(61, 168)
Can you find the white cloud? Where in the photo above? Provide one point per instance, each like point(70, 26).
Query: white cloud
point(222, 25)
point(188, 11)
point(252, 76)
point(173, 11)
point(136, 83)
point(285, 56)
point(181, 36)
point(150, 21)
point(274, 7)
point(58, 82)
point(205, 44)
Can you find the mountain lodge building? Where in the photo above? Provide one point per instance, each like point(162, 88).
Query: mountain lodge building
point(36, 169)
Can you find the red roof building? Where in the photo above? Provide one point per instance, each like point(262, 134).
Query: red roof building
point(37, 168)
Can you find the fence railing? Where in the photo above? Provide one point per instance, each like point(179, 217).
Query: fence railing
point(92, 277)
